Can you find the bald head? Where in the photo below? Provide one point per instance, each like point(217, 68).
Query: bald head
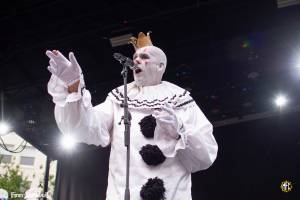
point(151, 62)
point(156, 52)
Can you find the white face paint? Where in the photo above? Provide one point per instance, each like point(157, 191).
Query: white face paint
point(151, 64)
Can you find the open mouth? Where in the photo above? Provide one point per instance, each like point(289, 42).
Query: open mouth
point(137, 70)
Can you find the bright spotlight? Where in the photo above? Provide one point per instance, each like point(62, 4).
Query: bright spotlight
point(67, 142)
point(4, 128)
point(280, 101)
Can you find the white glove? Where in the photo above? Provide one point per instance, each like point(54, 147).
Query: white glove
point(66, 70)
point(167, 120)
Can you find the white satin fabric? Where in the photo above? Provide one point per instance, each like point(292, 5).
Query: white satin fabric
point(195, 150)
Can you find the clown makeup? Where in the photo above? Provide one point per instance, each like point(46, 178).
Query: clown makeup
point(150, 64)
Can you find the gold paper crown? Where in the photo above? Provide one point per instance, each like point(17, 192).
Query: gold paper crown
point(142, 40)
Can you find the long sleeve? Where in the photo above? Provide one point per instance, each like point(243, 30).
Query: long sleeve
point(197, 148)
point(75, 115)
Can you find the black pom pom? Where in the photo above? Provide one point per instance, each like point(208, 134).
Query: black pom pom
point(153, 190)
point(148, 124)
point(152, 155)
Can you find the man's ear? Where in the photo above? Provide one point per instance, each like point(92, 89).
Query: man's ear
point(161, 66)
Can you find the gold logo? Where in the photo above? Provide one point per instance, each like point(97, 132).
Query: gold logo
point(286, 186)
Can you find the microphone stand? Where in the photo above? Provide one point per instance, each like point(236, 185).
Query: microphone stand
point(127, 123)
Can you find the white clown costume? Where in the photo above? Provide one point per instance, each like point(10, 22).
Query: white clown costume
point(170, 136)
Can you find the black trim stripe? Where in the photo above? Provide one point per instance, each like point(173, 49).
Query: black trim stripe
point(185, 103)
point(116, 92)
point(156, 102)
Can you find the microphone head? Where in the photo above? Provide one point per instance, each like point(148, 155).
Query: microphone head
point(124, 60)
point(130, 63)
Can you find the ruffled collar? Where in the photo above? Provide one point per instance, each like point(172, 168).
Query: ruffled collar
point(152, 96)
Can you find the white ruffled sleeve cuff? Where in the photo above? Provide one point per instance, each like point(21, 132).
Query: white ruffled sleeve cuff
point(60, 95)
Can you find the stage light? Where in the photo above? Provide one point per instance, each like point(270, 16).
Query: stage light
point(4, 128)
point(281, 100)
point(68, 142)
point(285, 3)
point(120, 40)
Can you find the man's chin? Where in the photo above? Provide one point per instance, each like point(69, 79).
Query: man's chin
point(138, 83)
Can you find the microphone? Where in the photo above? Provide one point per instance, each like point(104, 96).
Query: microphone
point(124, 60)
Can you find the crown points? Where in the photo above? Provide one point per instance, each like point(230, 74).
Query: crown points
point(142, 40)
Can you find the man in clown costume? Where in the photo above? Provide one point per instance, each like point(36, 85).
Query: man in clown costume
point(170, 136)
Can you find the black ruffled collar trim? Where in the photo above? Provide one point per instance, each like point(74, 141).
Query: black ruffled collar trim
point(119, 97)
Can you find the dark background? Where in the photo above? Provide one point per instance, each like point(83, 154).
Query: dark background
point(233, 56)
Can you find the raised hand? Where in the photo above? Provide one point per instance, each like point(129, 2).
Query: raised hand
point(167, 119)
point(68, 71)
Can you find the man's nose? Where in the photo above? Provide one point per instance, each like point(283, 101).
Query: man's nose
point(137, 61)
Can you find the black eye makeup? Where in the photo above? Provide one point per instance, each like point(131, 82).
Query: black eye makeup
point(141, 55)
point(144, 56)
